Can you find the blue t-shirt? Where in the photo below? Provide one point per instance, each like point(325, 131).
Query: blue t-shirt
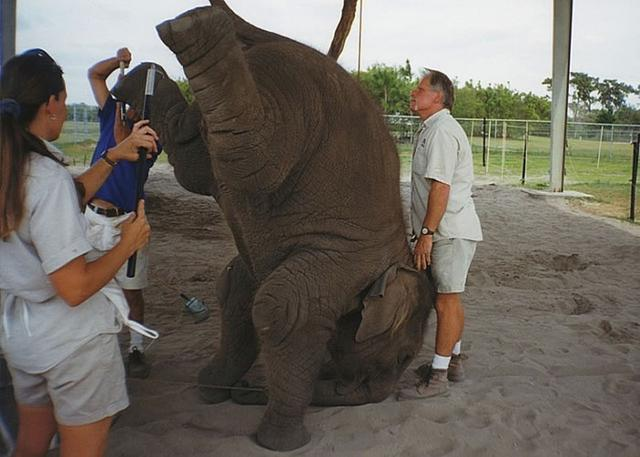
point(120, 187)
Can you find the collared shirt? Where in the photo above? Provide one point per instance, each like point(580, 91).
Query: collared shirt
point(442, 153)
point(39, 329)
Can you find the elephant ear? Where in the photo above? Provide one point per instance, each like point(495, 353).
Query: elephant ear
point(389, 302)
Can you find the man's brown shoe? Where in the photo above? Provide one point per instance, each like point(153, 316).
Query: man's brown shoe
point(456, 370)
point(435, 383)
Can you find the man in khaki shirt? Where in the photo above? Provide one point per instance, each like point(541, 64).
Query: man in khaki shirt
point(445, 222)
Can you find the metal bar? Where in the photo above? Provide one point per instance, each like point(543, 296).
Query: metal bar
point(562, 12)
point(484, 142)
point(524, 153)
point(634, 178)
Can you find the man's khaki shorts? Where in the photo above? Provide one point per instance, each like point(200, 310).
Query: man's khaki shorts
point(450, 262)
point(86, 387)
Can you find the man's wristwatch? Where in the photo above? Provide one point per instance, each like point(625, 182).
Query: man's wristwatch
point(426, 231)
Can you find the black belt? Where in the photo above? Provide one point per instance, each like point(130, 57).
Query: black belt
point(108, 212)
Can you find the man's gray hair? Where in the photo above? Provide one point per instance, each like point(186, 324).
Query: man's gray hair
point(440, 82)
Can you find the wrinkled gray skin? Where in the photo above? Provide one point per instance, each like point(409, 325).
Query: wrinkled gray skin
point(300, 161)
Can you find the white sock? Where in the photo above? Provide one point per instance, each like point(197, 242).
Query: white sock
point(456, 348)
point(135, 341)
point(440, 362)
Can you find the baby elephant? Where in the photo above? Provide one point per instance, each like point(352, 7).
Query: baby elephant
point(300, 161)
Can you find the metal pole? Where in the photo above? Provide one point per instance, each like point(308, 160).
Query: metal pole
point(611, 144)
point(486, 170)
point(600, 145)
point(471, 136)
point(360, 37)
point(484, 141)
point(562, 12)
point(524, 153)
point(7, 30)
point(504, 147)
point(634, 178)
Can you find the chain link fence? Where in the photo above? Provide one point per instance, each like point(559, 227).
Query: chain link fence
point(598, 161)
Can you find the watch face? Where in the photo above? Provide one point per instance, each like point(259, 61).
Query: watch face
point(425, 231)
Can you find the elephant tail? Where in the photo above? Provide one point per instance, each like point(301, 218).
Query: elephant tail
point(343, 28)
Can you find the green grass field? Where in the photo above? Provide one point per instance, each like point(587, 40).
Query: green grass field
point(78, 140)
point(607, 180)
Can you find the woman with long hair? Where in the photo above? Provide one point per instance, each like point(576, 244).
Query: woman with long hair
point(59, 326)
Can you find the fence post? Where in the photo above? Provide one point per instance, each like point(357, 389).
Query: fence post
point(611, 144)
point(471, 136)
point(486, 170)
point(484, 142)
point(600, 144)
point(504, 147)
point(634, 178)
point(524, 153)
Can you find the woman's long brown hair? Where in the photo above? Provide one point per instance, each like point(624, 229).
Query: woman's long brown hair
point(26, 82)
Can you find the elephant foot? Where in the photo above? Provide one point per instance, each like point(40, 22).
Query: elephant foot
point(251, 396)
point(282, 438)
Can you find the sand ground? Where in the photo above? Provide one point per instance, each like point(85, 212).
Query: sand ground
point(552, 332)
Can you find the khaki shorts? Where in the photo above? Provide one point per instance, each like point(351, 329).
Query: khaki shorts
point(86, 387)
point(450, 262)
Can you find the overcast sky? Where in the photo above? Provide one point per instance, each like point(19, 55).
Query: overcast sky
point(491, 41)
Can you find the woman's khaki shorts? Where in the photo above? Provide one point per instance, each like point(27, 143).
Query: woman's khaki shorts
point(86, 387)
point(450, 262)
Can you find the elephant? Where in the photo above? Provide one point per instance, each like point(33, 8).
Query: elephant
point(300, 161)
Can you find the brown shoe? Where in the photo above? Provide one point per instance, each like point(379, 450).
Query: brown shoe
point(435, 383)
point(456, 370)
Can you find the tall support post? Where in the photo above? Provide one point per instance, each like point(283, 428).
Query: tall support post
point(634, 178)
point(562, 12)
point(7, 30)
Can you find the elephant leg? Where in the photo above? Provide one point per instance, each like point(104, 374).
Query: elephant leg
point(238, 343)
point(294, 318)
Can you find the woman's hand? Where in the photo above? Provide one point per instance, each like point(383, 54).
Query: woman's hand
point(142, 136)
point(136, 230)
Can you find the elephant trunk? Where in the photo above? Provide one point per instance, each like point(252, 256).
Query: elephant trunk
point(178, 125)
point(205, 43)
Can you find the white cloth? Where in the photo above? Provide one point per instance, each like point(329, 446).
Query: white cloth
point(103, 233)
point(442, 153)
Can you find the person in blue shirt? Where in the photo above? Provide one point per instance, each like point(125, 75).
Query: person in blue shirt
point(117, 197)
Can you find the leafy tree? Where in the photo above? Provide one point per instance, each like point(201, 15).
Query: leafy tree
point(185, 88)
point(584, 87)
point(390, 86)
point(612, 94)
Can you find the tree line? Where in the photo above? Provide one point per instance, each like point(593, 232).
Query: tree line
point(609, 95)
point(591, 100)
